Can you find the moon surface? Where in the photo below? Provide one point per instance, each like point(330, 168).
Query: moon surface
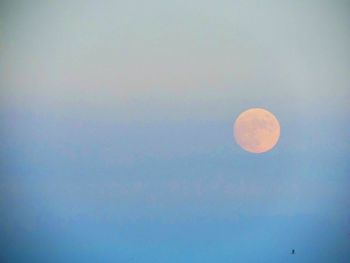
point(256, 130)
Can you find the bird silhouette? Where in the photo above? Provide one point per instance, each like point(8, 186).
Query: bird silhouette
point(293, 251)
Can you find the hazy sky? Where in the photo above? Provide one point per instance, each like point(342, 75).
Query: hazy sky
point(116, 131)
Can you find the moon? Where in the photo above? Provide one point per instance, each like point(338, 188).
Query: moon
point(256, 130)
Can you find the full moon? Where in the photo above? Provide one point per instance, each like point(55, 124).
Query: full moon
point(256, 130)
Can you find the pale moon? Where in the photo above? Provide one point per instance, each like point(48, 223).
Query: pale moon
point(256, 130)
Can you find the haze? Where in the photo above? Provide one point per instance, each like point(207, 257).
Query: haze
point(116, 131)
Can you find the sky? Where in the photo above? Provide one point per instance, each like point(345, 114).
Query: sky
point(116, 124)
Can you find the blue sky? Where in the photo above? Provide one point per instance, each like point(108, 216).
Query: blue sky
point(116, 123)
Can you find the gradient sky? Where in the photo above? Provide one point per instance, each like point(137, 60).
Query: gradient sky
point(116, 131)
